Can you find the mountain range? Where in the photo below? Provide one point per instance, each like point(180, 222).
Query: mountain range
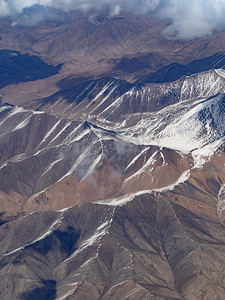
point(112, 154)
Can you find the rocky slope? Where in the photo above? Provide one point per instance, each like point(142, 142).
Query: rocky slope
point(164, 244)
point(126, 207)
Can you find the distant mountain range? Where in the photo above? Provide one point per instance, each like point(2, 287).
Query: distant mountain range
point(111, 162)
point(175, 71)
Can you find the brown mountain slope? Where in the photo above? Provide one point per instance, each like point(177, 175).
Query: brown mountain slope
point(167, 245)
point(155, 229)
point(90, 48)
point(51, 163)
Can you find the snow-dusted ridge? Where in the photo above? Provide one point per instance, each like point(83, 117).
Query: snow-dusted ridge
point(193, 125)
point(203, 154)
point(120, 201)
point(52, 228)
point(183, 127)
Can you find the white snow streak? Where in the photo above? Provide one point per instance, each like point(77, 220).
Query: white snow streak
point(149, 162)
point(221, 198)
point(98, 234)
point(120, 201)
point(23, 123)
point(99, 94)
point(77, 162)
point(50, 132)
point(14, 111)
point(105, 98)
point(118, 284)
point(220, 72)
point(52, 228)
point(69, 293)
point(184, 177)
point(136, 158)
point(61, 131)
point(51, 166)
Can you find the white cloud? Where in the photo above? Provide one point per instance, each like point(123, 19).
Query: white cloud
point(193, 18)
point(189, 18)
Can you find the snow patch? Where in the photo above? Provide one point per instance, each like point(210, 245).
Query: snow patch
point(120, 201)
point(64, 209)
point(3, 108)
point(221, 202)
point(202, 155)
point(184, 126)
point(220, 72)
point(99, 94)
point(105, 98)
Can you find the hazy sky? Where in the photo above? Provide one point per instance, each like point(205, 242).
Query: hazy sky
point(189, 18)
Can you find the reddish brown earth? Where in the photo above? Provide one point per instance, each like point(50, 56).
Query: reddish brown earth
point(140, 221)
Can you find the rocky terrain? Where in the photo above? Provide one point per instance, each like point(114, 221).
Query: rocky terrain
point(111, 188)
